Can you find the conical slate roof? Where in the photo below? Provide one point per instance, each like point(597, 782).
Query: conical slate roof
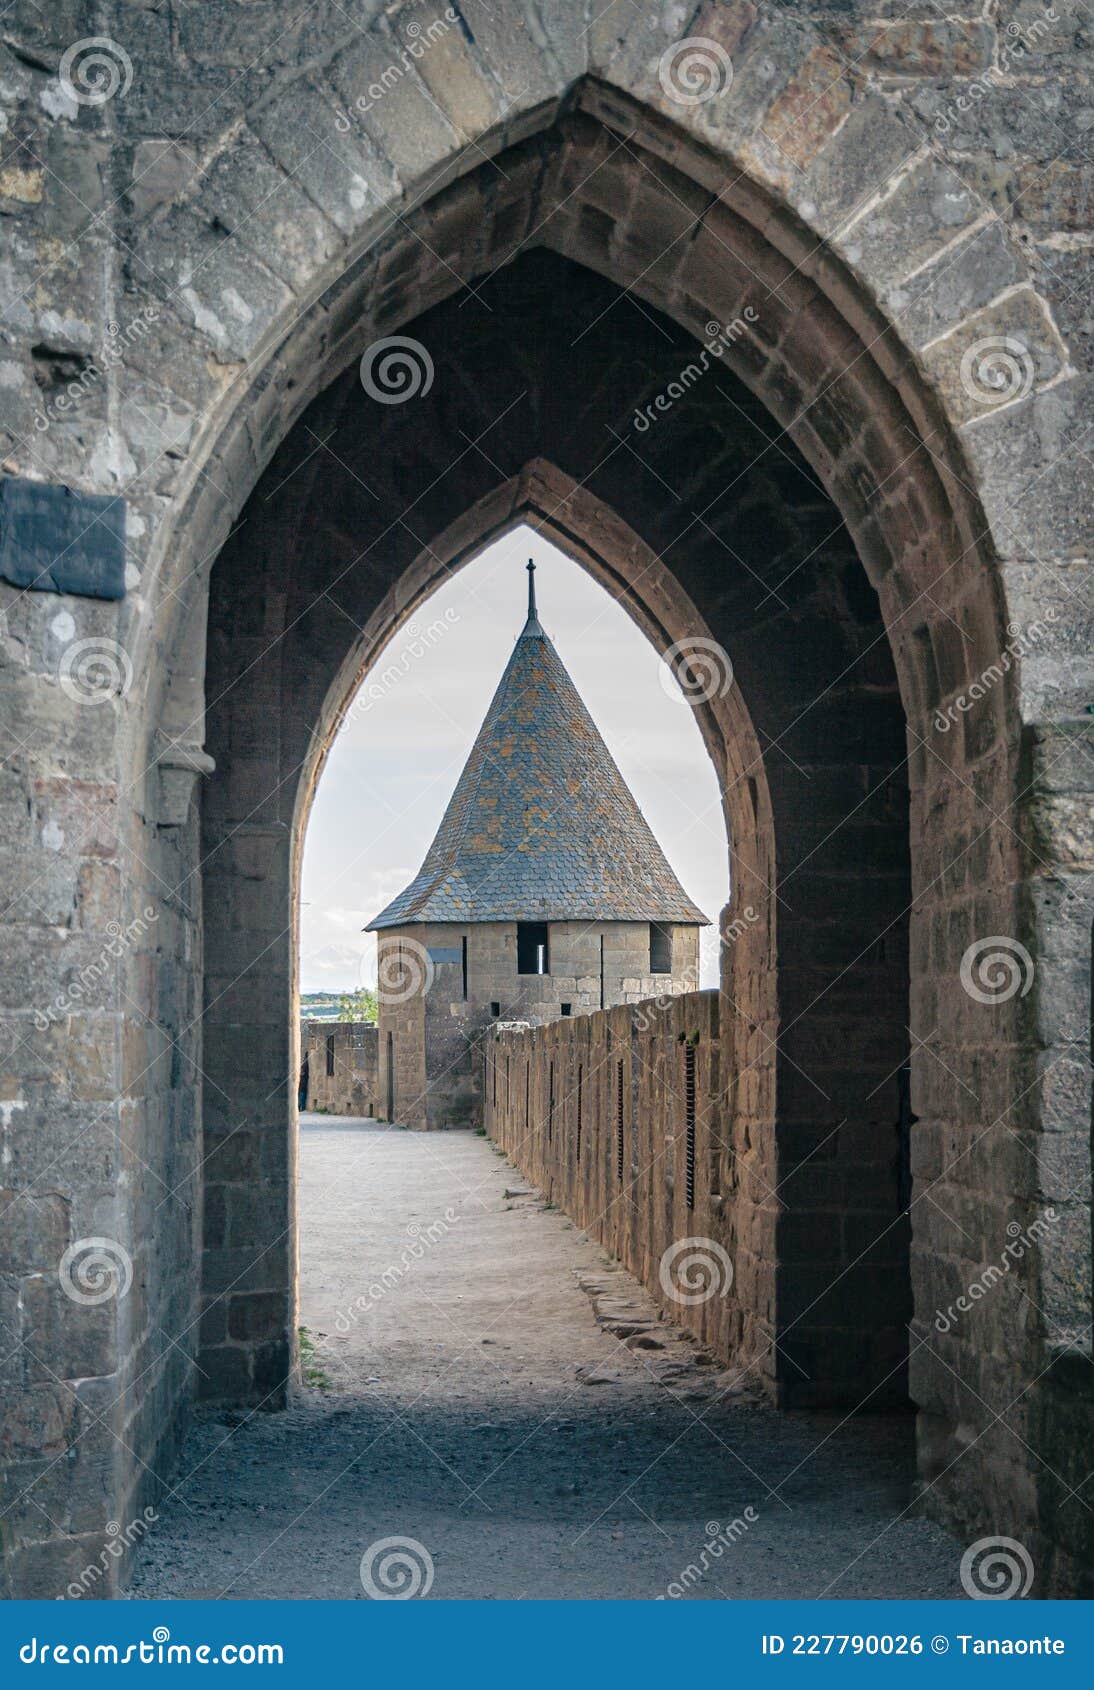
point(542, 825)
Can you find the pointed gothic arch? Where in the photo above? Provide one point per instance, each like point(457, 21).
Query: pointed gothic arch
point(833, 213)
point(843, 391)
point(328, 580)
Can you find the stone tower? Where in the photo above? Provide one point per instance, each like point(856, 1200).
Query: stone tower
point(544, 894)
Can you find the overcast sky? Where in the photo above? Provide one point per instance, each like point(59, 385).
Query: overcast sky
point(393, 766)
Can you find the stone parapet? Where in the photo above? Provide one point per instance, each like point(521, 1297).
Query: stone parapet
point(343, 1069)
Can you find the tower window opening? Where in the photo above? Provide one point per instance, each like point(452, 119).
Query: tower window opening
point(330, 1055)
point(660, 947)
point(532, 957)
point(463, 959)
point(565, 1008)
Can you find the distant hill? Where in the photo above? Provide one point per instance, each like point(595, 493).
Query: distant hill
point(319, 1006)
point(339, 1006)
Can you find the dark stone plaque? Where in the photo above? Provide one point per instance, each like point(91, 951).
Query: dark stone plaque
point(56, 540)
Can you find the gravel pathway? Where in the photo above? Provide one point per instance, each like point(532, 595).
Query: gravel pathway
point(469, 1394)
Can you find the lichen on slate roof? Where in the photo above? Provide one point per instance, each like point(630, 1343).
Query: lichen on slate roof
point(542, 825)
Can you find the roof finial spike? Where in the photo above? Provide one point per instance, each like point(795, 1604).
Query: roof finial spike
point(532, 625)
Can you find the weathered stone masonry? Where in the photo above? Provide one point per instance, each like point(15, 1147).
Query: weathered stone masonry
point(435, 1033)
point(343, 1067)
point(620, 1118)
point(852, 517)
point(616, 1117)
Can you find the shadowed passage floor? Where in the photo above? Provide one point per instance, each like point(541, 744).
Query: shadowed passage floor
point(491, 1409)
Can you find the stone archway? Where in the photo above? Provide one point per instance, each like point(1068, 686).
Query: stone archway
point(874, 439)
point(879, 270)
point(313, 585)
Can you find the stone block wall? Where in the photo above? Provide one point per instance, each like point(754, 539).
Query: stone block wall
point(617, 1117)
point(100, 1121)
point(343, 1067)
point(251, 1066)
point(625, 1120)
point(891, 190)
point(437, 1000)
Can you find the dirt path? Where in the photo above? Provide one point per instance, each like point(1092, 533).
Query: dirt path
point(475, 1404)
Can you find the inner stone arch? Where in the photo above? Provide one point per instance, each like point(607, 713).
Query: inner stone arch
point(505, 754)
point(319, 573)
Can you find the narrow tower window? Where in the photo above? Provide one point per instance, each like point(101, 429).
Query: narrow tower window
point(330, 1054)
point(660, 947)
point(464, 962)
point(532, 947)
